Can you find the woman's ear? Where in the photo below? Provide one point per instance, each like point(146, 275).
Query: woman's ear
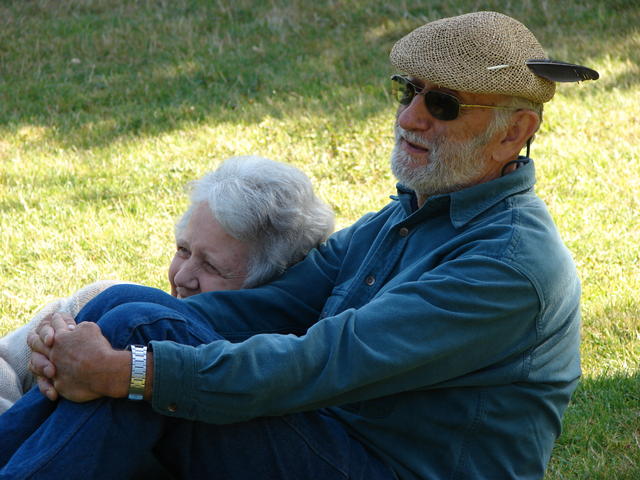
point(522, 126)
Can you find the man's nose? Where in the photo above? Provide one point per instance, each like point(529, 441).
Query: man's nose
point(415, 116)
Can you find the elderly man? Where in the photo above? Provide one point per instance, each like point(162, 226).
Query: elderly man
point(441, 334)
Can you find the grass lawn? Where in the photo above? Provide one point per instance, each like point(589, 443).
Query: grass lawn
point(109, 107)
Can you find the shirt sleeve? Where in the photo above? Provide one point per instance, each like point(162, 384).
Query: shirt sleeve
point(464, 321)
point(290, 304)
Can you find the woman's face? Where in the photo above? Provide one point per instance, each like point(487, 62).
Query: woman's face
point(207, 258)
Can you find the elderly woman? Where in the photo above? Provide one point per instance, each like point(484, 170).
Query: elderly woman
point(246, 223)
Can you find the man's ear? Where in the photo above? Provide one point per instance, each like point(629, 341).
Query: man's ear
point(522, 126)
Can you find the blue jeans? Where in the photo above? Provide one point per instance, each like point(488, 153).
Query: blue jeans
point(109, 438)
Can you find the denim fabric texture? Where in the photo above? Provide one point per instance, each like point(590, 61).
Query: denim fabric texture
point(444, 339)
point(107, 439)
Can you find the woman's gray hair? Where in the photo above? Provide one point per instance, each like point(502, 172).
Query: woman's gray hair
point(269, 205)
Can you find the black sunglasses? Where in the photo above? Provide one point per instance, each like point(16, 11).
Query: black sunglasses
point(442, 106)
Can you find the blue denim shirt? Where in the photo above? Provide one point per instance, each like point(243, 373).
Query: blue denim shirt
point(445, 338)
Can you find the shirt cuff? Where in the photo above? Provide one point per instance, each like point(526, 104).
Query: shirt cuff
point(174, 374)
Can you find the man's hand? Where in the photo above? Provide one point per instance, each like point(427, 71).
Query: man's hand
point(77, 361)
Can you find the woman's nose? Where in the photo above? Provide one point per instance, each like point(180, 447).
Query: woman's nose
point(186, 277)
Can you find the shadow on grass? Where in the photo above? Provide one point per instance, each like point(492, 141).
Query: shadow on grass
point(601, 437)
point(95, 71)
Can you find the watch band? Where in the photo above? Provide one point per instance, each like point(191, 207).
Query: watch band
point(138, 372)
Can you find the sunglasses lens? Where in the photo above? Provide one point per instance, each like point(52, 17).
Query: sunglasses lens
point(402, 90)
point(442, 106)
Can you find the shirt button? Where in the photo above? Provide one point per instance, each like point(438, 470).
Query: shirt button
point(370, 280)
point(403, 232)
point(172, 407)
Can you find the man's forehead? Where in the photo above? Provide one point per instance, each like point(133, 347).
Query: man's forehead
point(431, 86)
point(457, 93)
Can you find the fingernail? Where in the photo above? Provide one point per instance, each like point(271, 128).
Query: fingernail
point(72, 326)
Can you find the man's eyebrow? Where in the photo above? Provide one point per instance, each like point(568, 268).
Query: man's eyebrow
point(415, 81)
point(455, 93)
point(419, 83)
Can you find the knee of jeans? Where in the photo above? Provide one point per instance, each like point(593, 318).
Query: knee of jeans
point(118, 295)
point(142, 322)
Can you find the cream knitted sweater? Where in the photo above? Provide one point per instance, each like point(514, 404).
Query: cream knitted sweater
point(15, 377)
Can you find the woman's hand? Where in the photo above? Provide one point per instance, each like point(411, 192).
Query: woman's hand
point(40, 341)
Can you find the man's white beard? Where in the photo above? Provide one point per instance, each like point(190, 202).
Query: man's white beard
point(452, 166)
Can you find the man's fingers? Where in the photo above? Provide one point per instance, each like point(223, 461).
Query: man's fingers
point(62, 322)
point(47, 389)
point(41, 366)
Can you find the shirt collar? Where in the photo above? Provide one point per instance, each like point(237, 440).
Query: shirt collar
point(466, 204)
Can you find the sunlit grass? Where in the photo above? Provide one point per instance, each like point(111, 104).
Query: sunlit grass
point(108, 108)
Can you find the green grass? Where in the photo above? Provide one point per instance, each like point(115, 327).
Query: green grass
point(108, 108)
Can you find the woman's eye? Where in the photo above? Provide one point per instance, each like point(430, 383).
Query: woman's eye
point(210, 268)
point(183, 252)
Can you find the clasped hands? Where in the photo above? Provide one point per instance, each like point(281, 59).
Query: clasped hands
point(75, 361)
